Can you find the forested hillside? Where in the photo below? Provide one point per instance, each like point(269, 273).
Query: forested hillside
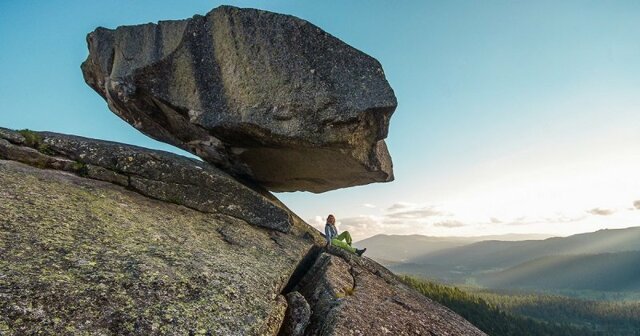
point(611, 317)
point(488, 317)
point(609, 272)
point(530, 314)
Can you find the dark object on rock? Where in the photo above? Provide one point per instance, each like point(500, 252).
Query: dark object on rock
point(261, 95)
point(162, 175)
point(360, 252)
point(297, 315)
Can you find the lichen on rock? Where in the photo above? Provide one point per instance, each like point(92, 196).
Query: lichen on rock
point(85, 257)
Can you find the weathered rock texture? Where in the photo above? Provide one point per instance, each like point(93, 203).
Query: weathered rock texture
point(297, 315)
point(83, 251)
point(261, 95)
point(356, 296)
point(162, 175)
point(85, 257)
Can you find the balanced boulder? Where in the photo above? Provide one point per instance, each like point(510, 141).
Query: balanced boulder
point(263, 96)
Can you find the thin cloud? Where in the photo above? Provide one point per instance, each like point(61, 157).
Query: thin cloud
point(393, 221)
point(495, 220)
point(365, 226)
point(601, 212)
point(521, 221)
point(636, 204)
point(563, 219)
point(400, 206)
point(359, 222)
point(449, 224)
point(369, 205)
point(524, 220)
point(416, 214)
point(317, 222)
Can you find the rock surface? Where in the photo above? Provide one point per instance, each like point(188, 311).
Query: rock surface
point(162, 175)
point(356, 296)
point(83, 251)
point(297, 315)
point(261, 95)
point(86, 257)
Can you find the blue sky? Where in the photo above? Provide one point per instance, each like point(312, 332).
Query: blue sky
point(513, 116)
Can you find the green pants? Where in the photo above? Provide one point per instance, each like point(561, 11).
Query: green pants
point(343, 241)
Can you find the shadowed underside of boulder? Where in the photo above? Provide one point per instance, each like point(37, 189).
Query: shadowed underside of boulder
point(261, 95)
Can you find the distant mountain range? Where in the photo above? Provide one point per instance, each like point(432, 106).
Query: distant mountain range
point(617, 272)
point(605, 260)
point(493, 254)
point(394, 249)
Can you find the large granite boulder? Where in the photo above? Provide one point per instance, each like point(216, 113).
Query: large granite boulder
point(264, 96)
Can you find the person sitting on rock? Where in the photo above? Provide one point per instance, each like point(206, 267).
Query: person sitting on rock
point(342, 240)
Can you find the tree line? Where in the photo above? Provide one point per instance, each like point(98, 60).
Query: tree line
point(522, 315)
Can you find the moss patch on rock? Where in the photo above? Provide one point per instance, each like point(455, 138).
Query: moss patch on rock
point(34, 140)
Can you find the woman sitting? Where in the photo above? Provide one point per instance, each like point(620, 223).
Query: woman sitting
point(342, 240)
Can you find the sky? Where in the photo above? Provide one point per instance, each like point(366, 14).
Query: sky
point(513, 116)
